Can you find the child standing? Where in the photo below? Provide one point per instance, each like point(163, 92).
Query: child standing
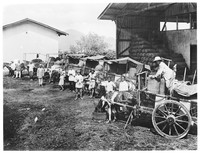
point(40, 75)
point(62, 80)
point(79, 84)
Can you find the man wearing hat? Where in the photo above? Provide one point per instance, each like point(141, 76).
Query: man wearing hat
point(165, 71)
point(79, 84)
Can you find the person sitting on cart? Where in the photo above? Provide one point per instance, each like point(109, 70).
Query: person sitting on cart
point(79, 84)
point(92, 82)
point(164, 71)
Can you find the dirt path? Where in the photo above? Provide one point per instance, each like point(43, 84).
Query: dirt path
point(65, 124)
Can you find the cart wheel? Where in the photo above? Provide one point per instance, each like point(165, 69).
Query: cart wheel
point(171, 119)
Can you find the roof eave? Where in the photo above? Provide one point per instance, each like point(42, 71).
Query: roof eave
point(107, 7)
point(59, 32)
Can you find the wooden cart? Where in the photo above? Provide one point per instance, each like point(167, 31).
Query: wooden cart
point(171, 117)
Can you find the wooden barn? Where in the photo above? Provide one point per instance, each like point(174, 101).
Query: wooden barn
point(28, 37)
point(143, 32)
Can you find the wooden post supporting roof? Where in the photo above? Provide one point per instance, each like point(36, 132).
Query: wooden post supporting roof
point(176, 22)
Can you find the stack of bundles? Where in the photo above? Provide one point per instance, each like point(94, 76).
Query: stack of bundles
point(184, 89)
point(156, 87)
point(57, 65)
point(81, 63)
point(99, 68)
point(132, 73)
point(51, 61)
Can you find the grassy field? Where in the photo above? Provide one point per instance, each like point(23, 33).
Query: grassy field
point(65, 124)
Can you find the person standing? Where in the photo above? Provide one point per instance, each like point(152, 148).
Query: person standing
point(164, 71)
point(13, 66)
point(71, 75)
point(40, 75)
point(62, 80)
point(79, 84)
point(110, 86)
point(92, 83)
point(31, 67)
point(18, 70)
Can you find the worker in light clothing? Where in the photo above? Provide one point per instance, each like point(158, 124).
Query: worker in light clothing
point(13, 67)
point(123, 85)
point(31, 67)
point(18, 70)
point(71, 75)
point(62, 80)
point(40, 75)
point(79, 84)
point(110, 86)
point(164, 71)
point(92, 82)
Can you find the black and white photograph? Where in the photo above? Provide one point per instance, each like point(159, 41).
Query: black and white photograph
point(99, 76)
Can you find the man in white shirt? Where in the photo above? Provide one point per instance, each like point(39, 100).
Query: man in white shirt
point(123, 85)
point(165, 71)
point(79, 84)
point(31, 67)
point(71, 75)
point(110, 85)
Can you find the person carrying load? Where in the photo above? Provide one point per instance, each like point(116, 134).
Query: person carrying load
point(165, 72)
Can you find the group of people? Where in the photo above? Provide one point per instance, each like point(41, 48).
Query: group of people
point(78, 82)
point(16, 69)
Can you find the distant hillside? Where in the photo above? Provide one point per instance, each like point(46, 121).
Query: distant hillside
point(74, 35)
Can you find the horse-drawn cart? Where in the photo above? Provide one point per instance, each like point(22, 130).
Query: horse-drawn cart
point(172, 117)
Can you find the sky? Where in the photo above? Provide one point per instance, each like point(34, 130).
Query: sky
point(63, 16)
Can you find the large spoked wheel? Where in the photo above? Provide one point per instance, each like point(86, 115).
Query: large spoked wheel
point(171, 119)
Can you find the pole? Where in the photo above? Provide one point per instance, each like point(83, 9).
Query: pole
point(184, 74)
point(176, 22)
point(126, 66)
point(194, 76)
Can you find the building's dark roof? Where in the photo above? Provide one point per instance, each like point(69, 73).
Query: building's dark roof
point(115, 10)
point(59, 32)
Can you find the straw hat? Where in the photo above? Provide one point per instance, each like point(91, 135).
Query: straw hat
point(157, 58)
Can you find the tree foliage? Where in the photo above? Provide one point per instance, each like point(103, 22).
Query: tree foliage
point(91, 45)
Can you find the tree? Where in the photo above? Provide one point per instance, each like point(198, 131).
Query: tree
point(91, 44)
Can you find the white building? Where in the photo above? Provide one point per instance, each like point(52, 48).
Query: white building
point(26, 38)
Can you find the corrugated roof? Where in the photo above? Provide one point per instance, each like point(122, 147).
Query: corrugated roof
point(126, 59)
point(115, 10)
point(59, 32)
point(97, 57)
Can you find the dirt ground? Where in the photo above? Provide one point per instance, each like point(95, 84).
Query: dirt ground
point(65, 124)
